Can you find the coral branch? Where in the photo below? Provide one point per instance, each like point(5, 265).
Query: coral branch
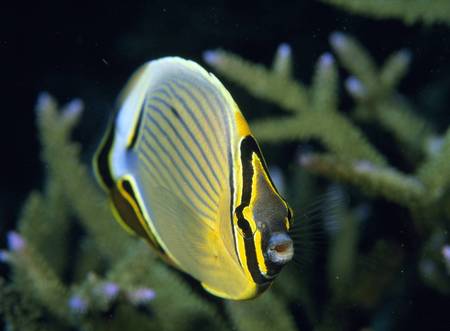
point(63, 159)
point(335, 132)
point(431, 11)
point(324, 91)
point(253, 315)
point(387, 182)
point(263, 83)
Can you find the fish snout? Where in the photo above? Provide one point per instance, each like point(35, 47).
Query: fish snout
point(280, 249)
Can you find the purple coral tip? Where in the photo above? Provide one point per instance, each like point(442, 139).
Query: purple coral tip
point(305, 160)
point(16, 242)
point(364, 166)
point(77, 304)
point(73, 108)
point(4, 256)
point(446, 253)
point(406, 55)
point(326, 60)
point(141, 296)
point(211, 57)
point(284, 50)
point(110, 290)
point(43, 101)
point(355, 87)
point(338, 40)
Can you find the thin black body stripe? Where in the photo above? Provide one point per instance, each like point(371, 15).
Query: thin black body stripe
point(185, 162)
point(188, 183)
point(204, 87)
point(195, 119)
point(150, 172)
point(201, 84)
point(186, 129)
point(206, 115)
point(161, 90)
point(191, 135)
point(186, 147)
point(198, 84)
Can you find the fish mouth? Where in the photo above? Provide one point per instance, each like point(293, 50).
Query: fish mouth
point(280, 249)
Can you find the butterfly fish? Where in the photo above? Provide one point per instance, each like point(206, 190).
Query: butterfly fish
point(184, 172)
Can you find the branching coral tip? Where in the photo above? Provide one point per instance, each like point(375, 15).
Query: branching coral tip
point(211, 57)
point(16, 242)
point(354, 86)
point(326, 60)
point(284, 50)
point(338, 40)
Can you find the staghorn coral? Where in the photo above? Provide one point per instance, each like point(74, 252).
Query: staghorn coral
point(315, 115)
point(432, 11)
point(107, 282)
point(111, 281)
point(351, 158)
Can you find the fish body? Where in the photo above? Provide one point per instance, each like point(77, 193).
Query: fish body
point(183, 171)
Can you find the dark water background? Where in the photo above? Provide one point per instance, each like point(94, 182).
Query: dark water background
point(88, 49)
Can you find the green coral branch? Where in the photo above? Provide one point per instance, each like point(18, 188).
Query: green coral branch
point(267, 313)
point(316, 116)
point(38, 277)
point(396, 116)
point(355, 58)
point(18, 309)
point(435, 172)
point(53, 208)
point(394, 69)
point(63, 159)
point(387, 182)
point(330, 128)
point(410, 11)
point(148, 271)
point(343, 251)
point(324, 89)
point(374, 92)
point(282, 62)
point(261, 82)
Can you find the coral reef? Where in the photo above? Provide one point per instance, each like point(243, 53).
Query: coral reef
point(71, 262)
point(73, 267)
point(432, 11)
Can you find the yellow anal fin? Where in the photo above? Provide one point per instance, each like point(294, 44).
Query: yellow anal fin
point(215, 292)
point(250, 293)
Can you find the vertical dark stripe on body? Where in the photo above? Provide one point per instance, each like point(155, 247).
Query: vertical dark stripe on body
point(248, 148)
